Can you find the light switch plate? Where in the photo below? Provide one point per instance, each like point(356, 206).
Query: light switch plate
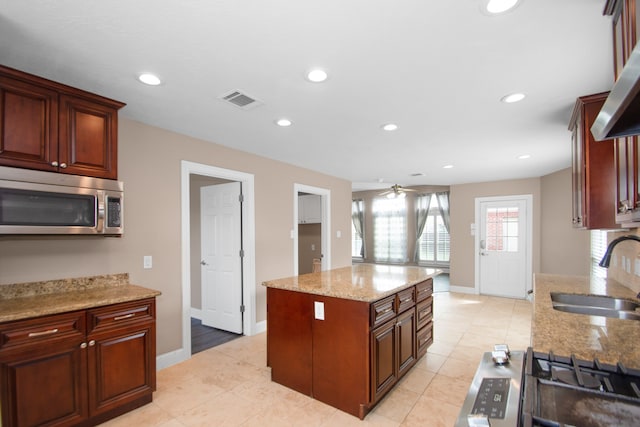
point(147, 261)
point(318, 308)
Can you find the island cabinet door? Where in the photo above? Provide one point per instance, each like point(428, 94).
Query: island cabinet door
point(384, 365)
point(406, 325)
point(289, 335)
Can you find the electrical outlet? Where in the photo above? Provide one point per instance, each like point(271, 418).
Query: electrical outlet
point(147, 261)
point(636, 269)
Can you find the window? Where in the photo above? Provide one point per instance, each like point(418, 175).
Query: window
point(502, 229)
point(434, 245)
point(357, 223)
point(598, 248)
point(390, 230)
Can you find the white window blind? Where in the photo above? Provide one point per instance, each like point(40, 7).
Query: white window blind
point(390, 229)
point(434, 242)
point(598, 248)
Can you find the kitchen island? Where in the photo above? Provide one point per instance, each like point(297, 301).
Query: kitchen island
point(587, 337)
point(346, 336)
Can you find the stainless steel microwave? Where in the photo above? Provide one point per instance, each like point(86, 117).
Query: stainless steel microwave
point(35, 202)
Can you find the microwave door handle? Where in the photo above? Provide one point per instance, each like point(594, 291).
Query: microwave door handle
point(101, 197)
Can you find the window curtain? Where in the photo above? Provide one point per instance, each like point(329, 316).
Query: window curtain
point(357, 216)
point(422, 213)
point(443, 206)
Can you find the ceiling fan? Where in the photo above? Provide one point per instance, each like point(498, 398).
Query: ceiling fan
point(396, 191)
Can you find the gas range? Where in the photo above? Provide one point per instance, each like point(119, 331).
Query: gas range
point(528, 389)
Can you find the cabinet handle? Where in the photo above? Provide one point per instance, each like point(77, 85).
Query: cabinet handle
point(406, 300)
point(126, 316)
point(54, 164)
point(92, 343)
point(63, 165)
point(39, 334)
point(83, 345)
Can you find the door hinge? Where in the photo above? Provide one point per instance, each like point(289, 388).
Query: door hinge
point(241, 253)
point(241, 198)
point(242, 309)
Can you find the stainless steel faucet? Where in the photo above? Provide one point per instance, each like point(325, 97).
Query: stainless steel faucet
point(606, 259)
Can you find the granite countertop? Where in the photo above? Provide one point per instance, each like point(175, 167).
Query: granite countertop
point(361, 282)
point(588, 337)
point(25, 300)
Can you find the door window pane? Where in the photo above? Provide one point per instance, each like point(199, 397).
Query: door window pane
point(502, 229)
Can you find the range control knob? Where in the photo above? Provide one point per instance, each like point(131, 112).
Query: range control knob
point(500, 354)
point(478, 420)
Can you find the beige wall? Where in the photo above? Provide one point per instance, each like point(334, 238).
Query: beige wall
point(149, 165)
point(565, 250)
point(462, 205)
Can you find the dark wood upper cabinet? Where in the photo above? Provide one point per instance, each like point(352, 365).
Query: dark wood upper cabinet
point(624, 15)
point(593, 168)
point(48, 126)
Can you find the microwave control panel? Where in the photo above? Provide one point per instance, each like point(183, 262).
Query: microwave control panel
point(114, 207)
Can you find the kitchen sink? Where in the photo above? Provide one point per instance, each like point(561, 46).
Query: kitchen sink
point(594, 305)
point(594, 301)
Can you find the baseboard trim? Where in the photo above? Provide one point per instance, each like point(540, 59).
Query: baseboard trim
point(259, 327)
point(463, 290)
point(171, 358)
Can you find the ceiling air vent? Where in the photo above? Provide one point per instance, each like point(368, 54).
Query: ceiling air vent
point(240, 100)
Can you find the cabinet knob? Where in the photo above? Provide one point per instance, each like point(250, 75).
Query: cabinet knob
point(54, 164)
point(92, 343)
point(63, 165)
point(83, 345)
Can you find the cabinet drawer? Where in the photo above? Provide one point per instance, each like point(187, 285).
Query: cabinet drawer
point(424, 338)
point(424, 290)
point(117, 315)
point(382, 310)
point(35, 331)
point(424, 312)
point(406, 299)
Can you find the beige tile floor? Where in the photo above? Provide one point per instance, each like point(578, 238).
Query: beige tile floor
point(230, 385)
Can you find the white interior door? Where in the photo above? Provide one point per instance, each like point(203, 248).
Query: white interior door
point(220, 215)
point(503, 247)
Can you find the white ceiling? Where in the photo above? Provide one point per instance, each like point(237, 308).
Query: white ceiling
point(437, 69)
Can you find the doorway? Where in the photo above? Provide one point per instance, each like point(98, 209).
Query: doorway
point(191, 253)
point(307, 227)
point(503, 245)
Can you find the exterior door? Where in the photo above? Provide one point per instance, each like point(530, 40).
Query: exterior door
point(221, 265)
point(504, 246)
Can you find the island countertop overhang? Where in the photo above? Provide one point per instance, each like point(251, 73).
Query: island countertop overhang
point(360, 282)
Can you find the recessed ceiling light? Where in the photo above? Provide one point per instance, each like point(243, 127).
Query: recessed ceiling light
point(284, 122)
point(447, 167)
point(512, 97)
point(524, 156)
point(317, 76)
point(500, 6)
point(149, 79)
point(389, 127)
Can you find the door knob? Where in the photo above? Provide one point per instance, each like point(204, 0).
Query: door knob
point(203, 263)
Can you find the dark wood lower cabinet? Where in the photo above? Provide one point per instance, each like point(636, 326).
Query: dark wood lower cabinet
point(71, 369)
point(351, 354)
